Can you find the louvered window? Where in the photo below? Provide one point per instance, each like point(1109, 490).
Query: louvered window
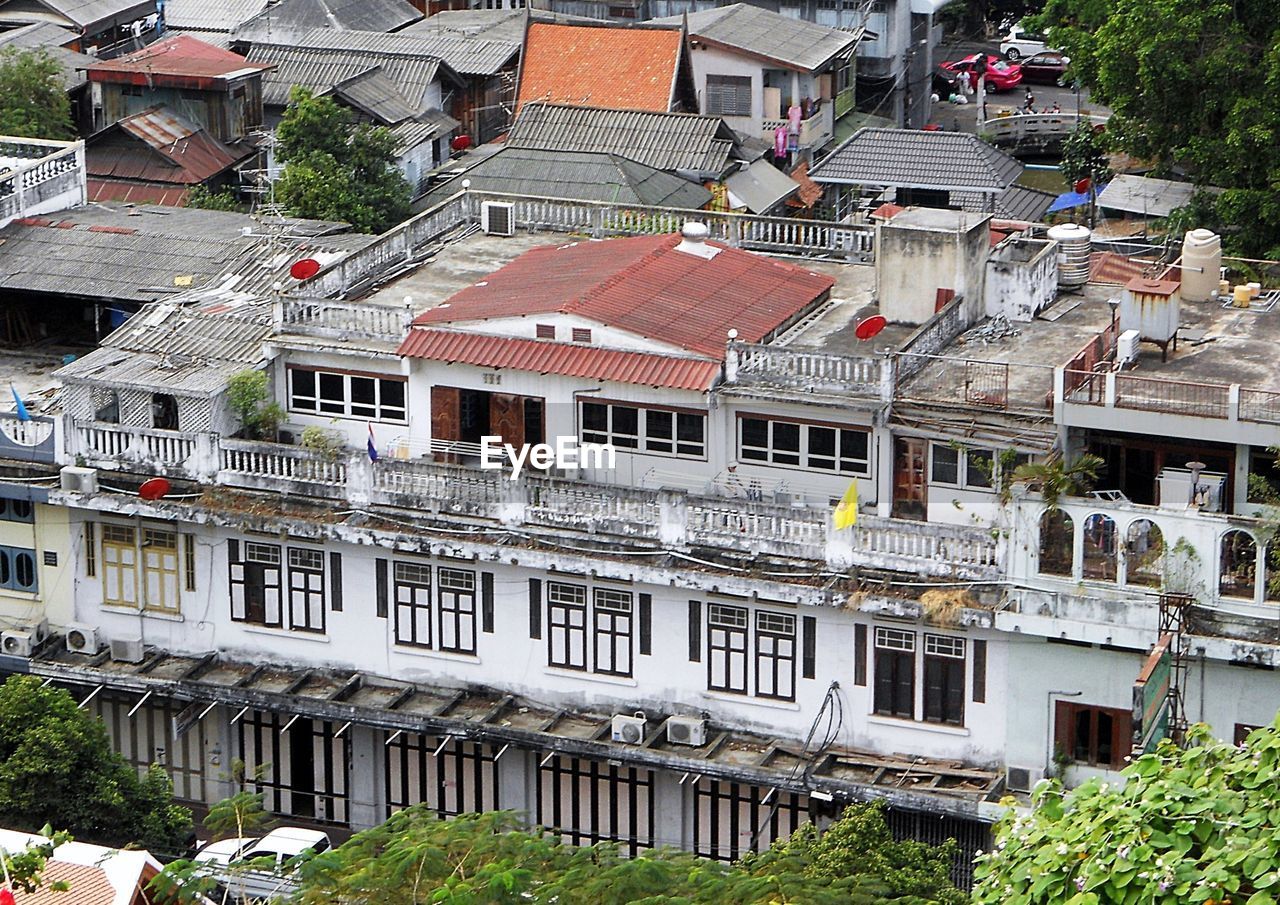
point(729, 95)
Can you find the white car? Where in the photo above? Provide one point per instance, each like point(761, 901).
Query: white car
point(280, 844)
point(224, 851)
point(1019, 43)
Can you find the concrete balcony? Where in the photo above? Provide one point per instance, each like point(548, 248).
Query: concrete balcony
point(39, 177)
point(815, 132)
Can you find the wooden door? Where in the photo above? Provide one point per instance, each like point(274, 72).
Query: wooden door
point(506, 418)
point(909, 479)
point(445, 418)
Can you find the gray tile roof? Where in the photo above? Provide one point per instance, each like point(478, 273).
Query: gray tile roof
point(320, 69)
point(685, 142)
point(1019, 202)
point(87, 13)
point(463, 54)
point(579, 176)
point(376, 95)
point(918, 159)
point(210, 15)
point(362, 15)
point(37, 34)
point(793, 42)
point(490, 24)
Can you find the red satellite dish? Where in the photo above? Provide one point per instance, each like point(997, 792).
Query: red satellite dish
point(461, 143)
point(304, 269)
point(154, 489)
point(1081, 186)
point(869, 327)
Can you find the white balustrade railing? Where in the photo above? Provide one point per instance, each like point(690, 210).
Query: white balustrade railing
point(98, 441)
point(278, 462)
point(326, 317)
point(747, 362)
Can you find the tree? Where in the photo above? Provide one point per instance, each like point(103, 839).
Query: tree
point(22, 870)
point(1193, 86)
point(248, 397)
point(1056, 479)
point(33, 100)
point(336, 168)
point(201, 197)
point(1187, 825)
point(57, 766)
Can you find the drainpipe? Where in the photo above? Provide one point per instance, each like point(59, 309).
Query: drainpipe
point(1048, 729)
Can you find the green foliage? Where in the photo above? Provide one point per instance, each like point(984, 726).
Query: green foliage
point(1194, 84)
point(1083, 156)
point(1193, 825)
point(337, 169)
point(328, 444)
point(1055, 479)
point(247, 395)
point(33, 100)
point(240, 815)
point(23, 869)
point(56, 765)
point(223, 200)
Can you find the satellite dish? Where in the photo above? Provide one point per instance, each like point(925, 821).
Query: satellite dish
point(869, 327)
point(154, 489)
point(304, 269)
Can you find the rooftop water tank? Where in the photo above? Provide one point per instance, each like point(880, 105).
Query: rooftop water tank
point(1074, 247)
point(1201, 264)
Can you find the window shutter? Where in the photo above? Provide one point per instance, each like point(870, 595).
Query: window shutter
point(646, 623)
point(810, 641)
point(535, 608)
point(860, 655)
point(934, 689)
point(1063, 714)
point(335, 581)
point(236, 580)
point(486, 602)
point(380, 567)
point(905, 676)
point(695, 631)
point(980, 672)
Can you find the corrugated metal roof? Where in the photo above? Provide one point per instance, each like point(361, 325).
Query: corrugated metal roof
point(647, 287)
point(580, 176)
point(665, 141)
point(88, 13)
point(601, 66)
point(463, 54)
point(165, 194)
point(1146, 196)
point(915, 158)
point(210, 15)
point(37, 34)
point(375, 94)
point(319, 69)
point(491, 24)
point(177, 56)
point(361, 15)
point(545, 357)
point(795, 43)
point(761, 186)
point(177, 150)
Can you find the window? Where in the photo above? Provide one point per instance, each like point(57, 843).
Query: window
point(666, 432)
point(160, 570)
point(613, 631)
point(799, 445)
point(255, 583)
point(413, 603)
point(567, 621)
point(546, 331)
point(131, 90)
point(775, 655)
point(306, 590)
point(944, 679)
point(727, 648)
point(16, 511)
point(348, 395)
point(119, 565)
point(1097, 736)
point(946, 465)
point(728, 95)
point(582, 334)
point(457, 601)
point(1099, 561)
point(189, 560)
point(895, 666)
point(1057, 544)
point(164, 412)
point(1238, 565)
point(972, 469)
point(1144, 554)
point(90, 550)
point(17, 569)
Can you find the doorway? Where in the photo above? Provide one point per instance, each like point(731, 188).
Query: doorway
point(910, 489)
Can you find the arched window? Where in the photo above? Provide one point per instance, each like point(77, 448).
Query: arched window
point(1100, 547)
point(1144, 552)
point(1237, 565)
point(1057, 543)
point(1271, 572)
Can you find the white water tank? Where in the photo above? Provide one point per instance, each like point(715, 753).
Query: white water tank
point(1201, 264)
point(1074, 247)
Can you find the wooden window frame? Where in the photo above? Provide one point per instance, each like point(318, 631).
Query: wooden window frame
point(945, 675)
point(345, 407)
point(411, 584)
point(775, 655)
point(613, 629)
point(566, 625)
point(1066, 717)
point(729, 95)
point(456, 609)
point(727, 641)
point(804, 454)
point(306, 587)
point(894, 655)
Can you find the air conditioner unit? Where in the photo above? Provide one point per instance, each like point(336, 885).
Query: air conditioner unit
point(75, 479)
point(17, 643)
point(687, 730)
point(1022, 779)
point(629, 729)
point(38, 629)
point(127, 650)
point(1127, 347)
point(82, 639)
point(498, 218)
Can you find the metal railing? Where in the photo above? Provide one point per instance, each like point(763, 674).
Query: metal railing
point(1175, 397)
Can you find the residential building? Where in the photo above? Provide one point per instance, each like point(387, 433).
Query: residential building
point(38, 176)
point(105, 29)
point(57, 41)
point(95, 873)
point(357, 15)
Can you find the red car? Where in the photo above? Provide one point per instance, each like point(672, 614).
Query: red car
point(1001, 76)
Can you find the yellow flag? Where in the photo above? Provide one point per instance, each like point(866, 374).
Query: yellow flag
point(847, 509)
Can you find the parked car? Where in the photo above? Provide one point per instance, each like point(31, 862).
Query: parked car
point(1049, 67)
point(224, 851)
point(1019, 43)
point(280, 845)
point(1000, 76)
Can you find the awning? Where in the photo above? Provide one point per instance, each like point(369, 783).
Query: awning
point(1068, 200)
point(760, 187)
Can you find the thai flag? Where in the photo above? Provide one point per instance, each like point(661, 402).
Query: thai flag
point(20, 408)
point(373, 448)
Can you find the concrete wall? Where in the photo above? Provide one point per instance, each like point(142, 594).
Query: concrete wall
point(921, 251)
point(1022, 278)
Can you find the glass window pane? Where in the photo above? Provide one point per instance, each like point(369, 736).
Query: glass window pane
point(822, 442)
point(657, 425)
point(979, 468)
point(626, 420)
point(362, 390)
point(786, 436)
point(392, 393)
point(755, 438)
point(946, 467)
point(595, 417)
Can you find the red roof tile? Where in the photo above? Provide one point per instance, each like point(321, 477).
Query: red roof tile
point(645, 286)
point(88, 886)
point(886, 211)
point(177, 59)
point(600, 66)
point(543, 357)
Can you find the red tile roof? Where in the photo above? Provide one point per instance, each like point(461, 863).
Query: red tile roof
point(645, 286)
point(180, 60)
point(88, 886)
point(600, 66)
point(543, 357)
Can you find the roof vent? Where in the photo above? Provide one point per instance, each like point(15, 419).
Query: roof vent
point(694, 240)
